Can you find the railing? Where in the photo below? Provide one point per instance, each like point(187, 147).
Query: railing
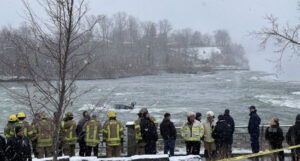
point(241, 139)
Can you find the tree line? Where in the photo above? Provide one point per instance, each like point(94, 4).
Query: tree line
point(122, 45)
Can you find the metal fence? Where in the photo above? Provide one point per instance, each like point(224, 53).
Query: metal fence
point(241, 139)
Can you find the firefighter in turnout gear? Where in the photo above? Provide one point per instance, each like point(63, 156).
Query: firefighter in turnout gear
point(24, 124)
point(92, 135)
point(9, 130)
point(113, 133)
point(192, 131)
point(68, 126)
point(209, 142)
point(43, 132)
point(35, 121)
point(140, 145)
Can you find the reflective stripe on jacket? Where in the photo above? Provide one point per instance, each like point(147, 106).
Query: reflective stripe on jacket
point(68, 131)
point(208, 129)
point(192, 133)
point(137, 130)
point(27, 128)
point(9, 130)
point(44, 132)
point(92, 133)
point(113, 132)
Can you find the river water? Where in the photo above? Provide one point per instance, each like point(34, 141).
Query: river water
point(181, 93)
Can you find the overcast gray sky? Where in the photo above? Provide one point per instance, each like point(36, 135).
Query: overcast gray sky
point(239, 17)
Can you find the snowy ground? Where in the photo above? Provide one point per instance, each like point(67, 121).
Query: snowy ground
point(176, 158)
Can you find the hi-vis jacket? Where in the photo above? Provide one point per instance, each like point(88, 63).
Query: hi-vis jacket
point(9, 129)
point(92, 132)
point(208, 129)
point(68, 132)
point(27, 128)
point(192, 132)
point(43, 131)
point(137, 130)
point(113, 132)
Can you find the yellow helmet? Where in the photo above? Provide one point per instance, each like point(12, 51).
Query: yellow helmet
point(12, 118)
point(21, 115)
point(111, 114)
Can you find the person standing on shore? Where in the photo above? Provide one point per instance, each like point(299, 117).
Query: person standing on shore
point(253, 130)
point(168, 133)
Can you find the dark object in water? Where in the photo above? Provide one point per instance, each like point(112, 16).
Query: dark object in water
point(125, 107)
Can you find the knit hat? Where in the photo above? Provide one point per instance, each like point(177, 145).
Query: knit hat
point(18, 129)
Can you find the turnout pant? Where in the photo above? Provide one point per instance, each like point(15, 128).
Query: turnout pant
point(192, 147)
point(69, 149)
point(44, 152)
point(169, 145)
point(150, 147)
point(113, 151)
point(210, 150)
point(89, 150)
point(140, 148)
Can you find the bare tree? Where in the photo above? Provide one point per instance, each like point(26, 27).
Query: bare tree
point(54, 56)
point(283, 37)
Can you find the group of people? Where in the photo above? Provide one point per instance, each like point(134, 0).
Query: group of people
point(22, 139)
point(216, 134)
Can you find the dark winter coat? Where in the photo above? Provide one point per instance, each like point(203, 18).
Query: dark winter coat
point(79, 129)
point(274, 135)
point(2, 148)
point(168, 130)
point(229, 121)
point(293, 134)
point(222, 133)
point(254, 122)
point(18, 149)
point(148, 130)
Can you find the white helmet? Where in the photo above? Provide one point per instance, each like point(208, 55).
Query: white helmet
point(189, 114)
point(210, 114)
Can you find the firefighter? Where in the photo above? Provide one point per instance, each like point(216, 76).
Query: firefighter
point(192, 131)
point(9, 130)
point(113, 133)
point(43, 131)
point(209, 142)
point(24, 124)
point(68, 126)
point(140, 145)
point(35, 121)
point(92, 135)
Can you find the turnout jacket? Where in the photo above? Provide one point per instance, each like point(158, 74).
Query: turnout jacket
point(92, 131)
point(208, 129)
point(192, 131)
